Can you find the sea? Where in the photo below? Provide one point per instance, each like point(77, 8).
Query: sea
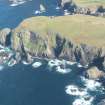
point(44, 81)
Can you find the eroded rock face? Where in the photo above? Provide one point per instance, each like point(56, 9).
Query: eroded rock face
point(68, 51)
point(68, 5)
point(95, 73)
point(5, 35)
point(54, 46)
point(29, 44)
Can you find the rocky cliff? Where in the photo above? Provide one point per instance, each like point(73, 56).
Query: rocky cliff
point(61, 38)
point(28, 43)
point(73, 8)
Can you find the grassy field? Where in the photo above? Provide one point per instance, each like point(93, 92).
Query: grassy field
point(79, 28)
point(90, 3)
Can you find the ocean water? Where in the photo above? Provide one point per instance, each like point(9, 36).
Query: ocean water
point(12, 13)
point(41, 83)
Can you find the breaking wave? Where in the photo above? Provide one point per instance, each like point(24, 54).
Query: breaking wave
point(36, 64)
point(17, 2)
point(83, 95)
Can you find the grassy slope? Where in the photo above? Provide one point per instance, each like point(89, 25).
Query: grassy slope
point(79, 28)
point(90, 3)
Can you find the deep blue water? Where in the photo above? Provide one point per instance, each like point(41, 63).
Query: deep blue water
point(25, 85)
point(12, 16)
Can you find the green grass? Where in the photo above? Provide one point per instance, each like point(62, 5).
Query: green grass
point(90, 3)
point(79, 28)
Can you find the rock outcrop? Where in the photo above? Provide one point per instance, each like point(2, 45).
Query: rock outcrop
point(68, 5)
point(54, 46)
point(28, 43)
point(94, 73)
point(73, 8)
point(5, 35)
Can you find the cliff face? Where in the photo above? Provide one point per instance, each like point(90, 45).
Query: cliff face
point(37, 37)
point(5, 35)
point(54, 46)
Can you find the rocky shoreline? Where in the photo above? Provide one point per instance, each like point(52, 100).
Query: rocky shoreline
point(72, 8)
point(27, 44)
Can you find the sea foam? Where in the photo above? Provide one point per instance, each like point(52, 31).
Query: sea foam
point(54, 62)
point(25, 63)
point(82, 101)
point(83, 96)
point(17, 2)
point(75, 90)
point(92, 85)
point(36, 64)
point(63, 70)
point(12, 62)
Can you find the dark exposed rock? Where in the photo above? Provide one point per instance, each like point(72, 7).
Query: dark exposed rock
point(68, 5)
point(59, 45)
point(82, 10)
point(4, 56)
point(54, 46)
point(94, 73)
point(100, 9)
point(73, 8)
point(28, 44)
point(5, 35)
point(92, 54)
point(68, 51)
point(104, 64)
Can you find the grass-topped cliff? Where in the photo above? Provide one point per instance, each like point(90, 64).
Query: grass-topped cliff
point(89, 3)
point(79, 28)
point(79, 38)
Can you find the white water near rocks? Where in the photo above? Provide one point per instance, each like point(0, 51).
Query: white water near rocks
point(17, 2)
point(36, 64)
point(8, 79)
point(63, 70)
point(84, 96)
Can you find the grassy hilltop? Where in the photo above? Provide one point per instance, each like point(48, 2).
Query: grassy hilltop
point(90, 3)
point(79, 28)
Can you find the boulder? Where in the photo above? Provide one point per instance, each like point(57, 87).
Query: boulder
point(68, 5)
point(94, 73)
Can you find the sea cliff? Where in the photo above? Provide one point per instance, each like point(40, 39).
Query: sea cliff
point(73, 38)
